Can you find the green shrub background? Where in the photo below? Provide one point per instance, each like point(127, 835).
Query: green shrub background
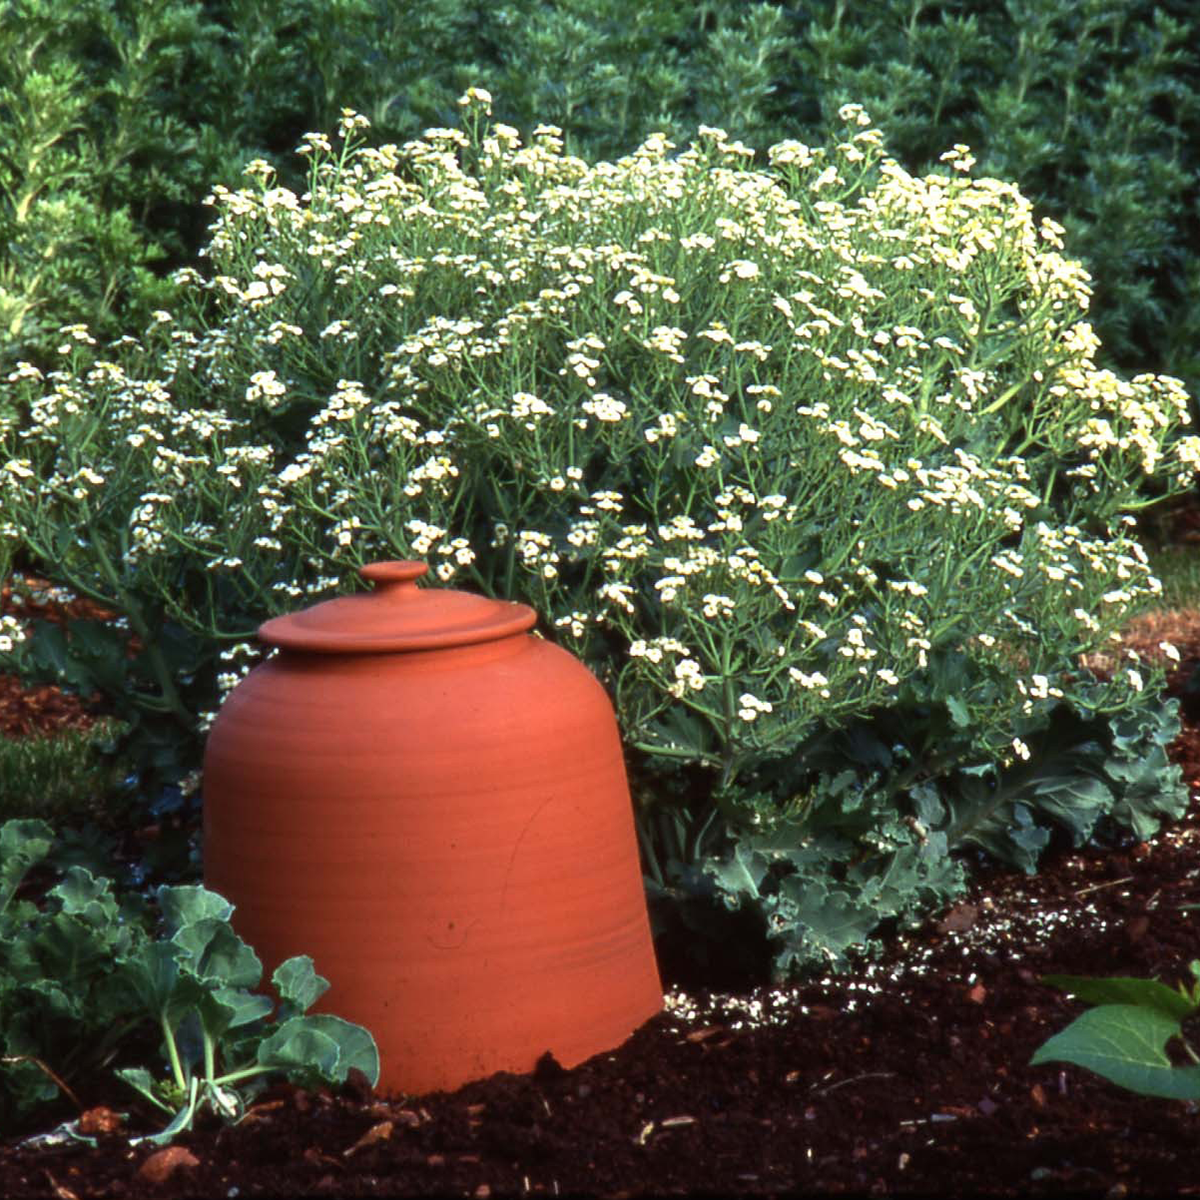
point(116, 117)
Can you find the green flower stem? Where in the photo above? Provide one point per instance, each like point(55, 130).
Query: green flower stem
point(210, 1050)
point(239, 1075)
point(128, 606)
point(700, 825)
point(678, 752)
point(177, 1069)
point(729, 700)
point(648, 852)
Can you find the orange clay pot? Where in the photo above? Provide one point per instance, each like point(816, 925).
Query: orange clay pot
point(432, 804)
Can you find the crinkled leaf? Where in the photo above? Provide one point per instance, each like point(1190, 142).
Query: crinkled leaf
point(891, 885)
point(841, 782)
point(217, 1012)
point(1125, 1044)
point(1149, 795)
point(959, 713)
point(298, 984)
point(53, 1002)
point(19, 957)
point(153, 976)
point(1009, 834)
point(221, 1009)
point(931, 812)
point(298, 1045)
point(23, 844)
point(49, 650)
point(1149, 786)
point(1158, 723)
point(865, 747)
point(739, 876)
point(87, 897)
point(181, 906)
point(326, 1045)
point(830, 918)
point(949, 672)
point(356, 1046)
point(69, 952)
point(246, 1007)
point(1076, 802)
point(213, 952)
point(26, 1083)
point(98, 652)
point(677, 729)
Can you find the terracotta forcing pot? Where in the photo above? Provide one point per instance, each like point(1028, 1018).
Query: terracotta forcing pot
point(432, 804)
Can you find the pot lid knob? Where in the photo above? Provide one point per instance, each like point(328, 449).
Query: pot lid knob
point(398, 577)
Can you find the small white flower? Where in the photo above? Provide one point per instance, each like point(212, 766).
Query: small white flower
point(751, 706)
point(744, 436)
point(742, 268)
point(605, 408)
point(816, 679)
point(688, 673)
point(641, 649)
point(575, 624)
point(668, 587)
point(617, 593)
point(476, 95)
point(717, 606)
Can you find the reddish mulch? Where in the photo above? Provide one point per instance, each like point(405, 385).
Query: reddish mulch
point(40, 709)
point(912, 1078)
point(44, 708)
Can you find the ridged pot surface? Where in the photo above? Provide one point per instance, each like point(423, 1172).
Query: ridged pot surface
point(448, 834)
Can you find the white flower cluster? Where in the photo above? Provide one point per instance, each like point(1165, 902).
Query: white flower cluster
point(12, 633)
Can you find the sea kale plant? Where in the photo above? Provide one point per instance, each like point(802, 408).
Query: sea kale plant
point(808, 458)
point(86, 974)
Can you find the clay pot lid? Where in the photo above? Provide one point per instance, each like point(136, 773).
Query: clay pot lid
point(397, 615)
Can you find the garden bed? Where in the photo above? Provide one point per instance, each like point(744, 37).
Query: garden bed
point(910, 1077)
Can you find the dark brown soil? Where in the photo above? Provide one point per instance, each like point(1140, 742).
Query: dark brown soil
point(910, 1078)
